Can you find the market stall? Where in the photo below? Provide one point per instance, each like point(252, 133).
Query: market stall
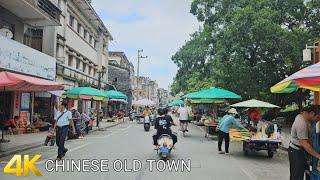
point(117, 103)
point(307, 78)
point(86, 94)
point(260, 134)
point(206, 103)
point(22, 88)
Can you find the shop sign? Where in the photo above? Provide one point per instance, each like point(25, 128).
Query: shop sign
point(25, 101)
point(17, 100)
point(17, 57)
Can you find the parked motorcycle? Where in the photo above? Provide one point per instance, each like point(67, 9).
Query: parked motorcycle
point(146, 123)
point(166, 143)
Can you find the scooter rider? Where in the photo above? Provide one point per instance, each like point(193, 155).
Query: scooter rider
point(162, 125)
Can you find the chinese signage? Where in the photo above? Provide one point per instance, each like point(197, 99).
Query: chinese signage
point(20, 58)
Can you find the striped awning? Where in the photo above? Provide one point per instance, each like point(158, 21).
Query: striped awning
point(307, 78)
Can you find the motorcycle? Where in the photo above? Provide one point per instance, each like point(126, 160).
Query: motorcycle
point(166, 143)
point(146, 123)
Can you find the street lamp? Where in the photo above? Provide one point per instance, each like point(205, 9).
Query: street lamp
point(138, 67)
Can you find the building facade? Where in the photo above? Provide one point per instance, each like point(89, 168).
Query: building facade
point(120, 73)
point(163, 96)
point(24, 50)
point(145, 88)
point(80, 46)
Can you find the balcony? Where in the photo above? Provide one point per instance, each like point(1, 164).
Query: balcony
point(36, 13)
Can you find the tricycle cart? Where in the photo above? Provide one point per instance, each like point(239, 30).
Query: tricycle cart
point(211, 131)
point(270, 146)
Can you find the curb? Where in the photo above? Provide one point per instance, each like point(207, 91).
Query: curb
point(39, 144)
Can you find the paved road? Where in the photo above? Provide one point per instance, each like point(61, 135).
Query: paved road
point(129, 141)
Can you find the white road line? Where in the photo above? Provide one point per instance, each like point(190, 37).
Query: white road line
point(69, 151)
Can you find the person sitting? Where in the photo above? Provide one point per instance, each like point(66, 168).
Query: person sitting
point(162, 125)
point(11, 124)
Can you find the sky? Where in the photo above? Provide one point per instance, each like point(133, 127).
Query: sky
point(159, 27)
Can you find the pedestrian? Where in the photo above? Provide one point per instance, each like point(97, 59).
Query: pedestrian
point(50, 136)
point(63, 121)
point(86, 119)
point(300, 148)
point(183, 118)
point(224, 126)
point(76, 116)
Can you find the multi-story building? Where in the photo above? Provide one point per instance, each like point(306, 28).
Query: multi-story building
point(24, 25)
point(120, 73)
point(163, 96)
point(80, 46)
point(145, 88)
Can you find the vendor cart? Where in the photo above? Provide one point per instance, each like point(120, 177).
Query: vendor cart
point(211, 131)
point(270, 146)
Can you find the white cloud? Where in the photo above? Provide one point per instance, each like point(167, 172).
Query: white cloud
point(158, 27)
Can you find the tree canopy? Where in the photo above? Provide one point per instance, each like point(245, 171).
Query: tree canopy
point(247, 46)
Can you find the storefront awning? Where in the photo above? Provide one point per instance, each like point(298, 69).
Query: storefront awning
point(17, 82)
point(118, 100)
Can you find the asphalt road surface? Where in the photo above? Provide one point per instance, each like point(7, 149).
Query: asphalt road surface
point(129, 142)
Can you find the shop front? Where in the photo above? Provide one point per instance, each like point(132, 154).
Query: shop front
point(26, 77)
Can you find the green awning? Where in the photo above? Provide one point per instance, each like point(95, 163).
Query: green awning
point(212, 93)
point(112, 94)
point(206, 101)
point(85, 93)
point(176, 103)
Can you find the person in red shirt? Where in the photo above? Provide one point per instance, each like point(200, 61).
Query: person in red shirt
point(9, 124)
point(254, 115)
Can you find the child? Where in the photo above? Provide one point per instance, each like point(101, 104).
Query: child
point(50, 136)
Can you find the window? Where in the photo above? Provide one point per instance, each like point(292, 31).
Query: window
point(85, 33)
point(71, 20)
point(78, 64)
point(84, 67)
point(90, 39)
point(94, 43)
point(89, 70)
point(70, 60)
point(94, 73)
point(79, 28)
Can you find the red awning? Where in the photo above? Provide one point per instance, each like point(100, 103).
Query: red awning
point(17, 82)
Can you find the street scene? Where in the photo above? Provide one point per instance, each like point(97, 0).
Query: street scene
point(184, 89)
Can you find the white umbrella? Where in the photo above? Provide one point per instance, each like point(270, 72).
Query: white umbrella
point(144, 102)
point(254, 103)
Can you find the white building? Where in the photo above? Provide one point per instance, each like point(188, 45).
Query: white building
point(25, 49)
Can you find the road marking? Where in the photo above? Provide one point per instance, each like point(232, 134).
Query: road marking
point(69, 151)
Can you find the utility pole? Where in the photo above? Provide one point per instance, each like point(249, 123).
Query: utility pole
point(138, 67)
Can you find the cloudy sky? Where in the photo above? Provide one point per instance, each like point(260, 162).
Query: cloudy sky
point(159, 27)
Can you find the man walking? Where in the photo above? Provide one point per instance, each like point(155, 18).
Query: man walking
point(300, 147)
point(63, 120)
point(184, 118)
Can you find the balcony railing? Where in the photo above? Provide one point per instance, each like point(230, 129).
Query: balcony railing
point(50, 8)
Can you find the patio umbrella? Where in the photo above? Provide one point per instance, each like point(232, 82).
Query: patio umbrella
point(86, 93)
point(12, 82)
point(252, 103)
point(112, 94)
point(144, 102)
point(307, 78)
point(212, 93)
point(176, 103)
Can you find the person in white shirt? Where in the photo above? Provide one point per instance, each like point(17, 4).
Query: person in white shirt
point(184, 118)
point(63, 119)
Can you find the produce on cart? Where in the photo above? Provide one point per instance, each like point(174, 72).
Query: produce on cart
point(267, 137)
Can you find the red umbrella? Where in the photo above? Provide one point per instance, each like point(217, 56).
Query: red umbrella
point(17, 82)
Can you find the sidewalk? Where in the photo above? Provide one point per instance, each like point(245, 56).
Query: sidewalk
point(24, 142)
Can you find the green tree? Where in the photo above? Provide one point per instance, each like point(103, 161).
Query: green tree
point(249, 45)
